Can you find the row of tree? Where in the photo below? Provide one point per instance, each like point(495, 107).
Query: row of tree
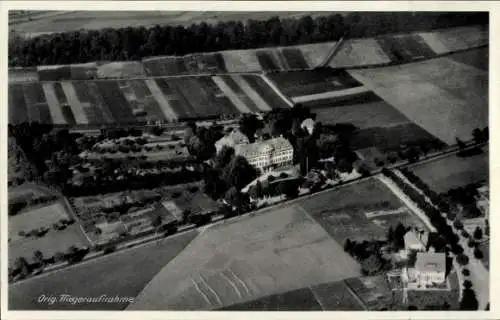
point(134, 43)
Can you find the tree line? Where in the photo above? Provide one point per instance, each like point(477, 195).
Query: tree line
point(135, 43)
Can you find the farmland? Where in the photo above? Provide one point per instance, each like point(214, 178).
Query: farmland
point(432, 92)
point(274, 252)
point(114, 274)
point(453, 171)
point(343, 212)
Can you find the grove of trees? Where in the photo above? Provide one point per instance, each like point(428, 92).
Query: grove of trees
point(135, 43)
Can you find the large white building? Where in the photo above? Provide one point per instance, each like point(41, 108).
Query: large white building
point(429, 270)
point(268, 154)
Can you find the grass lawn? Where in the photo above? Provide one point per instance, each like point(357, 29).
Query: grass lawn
point(342, 211)
point(436, 94)
point(275, 251)
point(373, 291)
point(52, 242)
point(33, 219)
point(453, 171)
point(123, 274)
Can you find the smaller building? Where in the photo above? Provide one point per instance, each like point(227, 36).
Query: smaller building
point(308, 125)
point(415, 240)
point(232, 139)
point(268, 154)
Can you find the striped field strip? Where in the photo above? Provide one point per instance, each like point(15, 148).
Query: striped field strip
point(230, 94)
point(74, 103)
point(54, 107)
point(160, 98)
point(251, 93)
point(330, 94)
point(276, 89)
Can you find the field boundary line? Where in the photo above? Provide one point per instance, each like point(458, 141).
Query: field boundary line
point(275, 88)
point(230, 94)
point(240, 281)
point(316, 297)
point(53, 102)
point(355, 296)
point(74, 103)
point(331, 94)
point(251, 93)
point(158, 95)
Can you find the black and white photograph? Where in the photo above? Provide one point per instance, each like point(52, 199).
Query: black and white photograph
point(247, 160)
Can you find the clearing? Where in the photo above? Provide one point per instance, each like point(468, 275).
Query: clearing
point(275, 251)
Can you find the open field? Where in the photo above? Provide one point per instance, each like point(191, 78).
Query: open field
point(73, 20)
point(453, 171)
point(478, 58)
point(363, 111)
point(342, 211)
point(124, 274)
point(274, 252)
point(434, 92)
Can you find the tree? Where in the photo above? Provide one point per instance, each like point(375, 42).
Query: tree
point(238, 173)
point(478, 233)
point(469, 300)
point(466, 272)
point(390, 234)
point(458, 224)
point(478, 254)
point(22, 267)
point(258, 189)
point(289, 189)
point(348, 245)
point(478, 136)
point(399, 234)
point(249, 124)
point(467, 284)
point(471, 243)
point(223, 158)
point(157, 221)
point(371, 265)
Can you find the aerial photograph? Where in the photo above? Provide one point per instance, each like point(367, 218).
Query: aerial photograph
point(248, 161)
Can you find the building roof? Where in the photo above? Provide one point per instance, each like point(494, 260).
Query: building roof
point(275, 144)
point(426, 262)
point(308, 124)
point(234, 138)
point(412, 239)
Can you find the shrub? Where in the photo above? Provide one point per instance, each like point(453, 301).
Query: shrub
point(109, 249)
point(462, 259)
point(466, 272)
point(478, 233)
point(458, 224)
point(465, 234)
point(283, 175)
point(471, 243)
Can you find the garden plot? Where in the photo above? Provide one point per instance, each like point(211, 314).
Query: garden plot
point(478, 58)
point(112, 97)
point(302, 83)
point(18, 110)
point(129, 69)
point(268, 60)
point(461, 38)
point(54, 73)
point(161, 97)
point(432, 93)
point(76, 106)
point(316, 53)
point(341, 212)
point(38, 109)
point(20, 75)
point(294, 58)
point(453, 171)
point(275, 252)
point(241, 61)
point(266, 97)
point(91, 104)
point(164, 66)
